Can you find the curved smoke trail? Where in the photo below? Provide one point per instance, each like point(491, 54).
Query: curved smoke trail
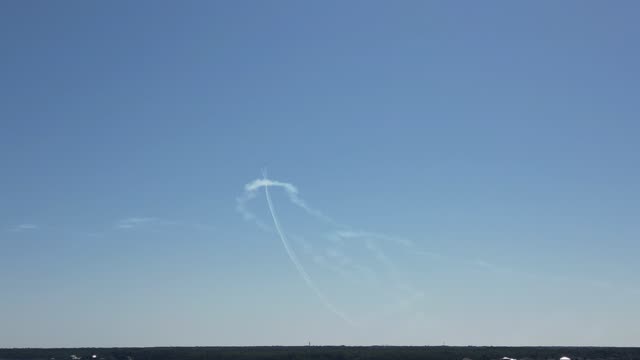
point(298, 265)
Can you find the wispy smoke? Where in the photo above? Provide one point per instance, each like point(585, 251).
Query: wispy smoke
point(292, 193)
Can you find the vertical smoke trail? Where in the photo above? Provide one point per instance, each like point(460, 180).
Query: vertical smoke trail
point(298, 265)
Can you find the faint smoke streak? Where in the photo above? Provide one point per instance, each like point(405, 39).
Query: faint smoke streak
point(132, 222)
point(24, 227)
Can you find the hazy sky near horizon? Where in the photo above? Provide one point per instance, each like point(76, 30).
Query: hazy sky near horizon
point(461, 172)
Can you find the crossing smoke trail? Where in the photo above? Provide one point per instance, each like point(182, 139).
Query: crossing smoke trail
point(292, 255)
point(345, 232)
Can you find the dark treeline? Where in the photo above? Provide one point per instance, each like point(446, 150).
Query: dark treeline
point(324, 352)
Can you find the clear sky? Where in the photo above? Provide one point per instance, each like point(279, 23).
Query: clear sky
point(467, 172)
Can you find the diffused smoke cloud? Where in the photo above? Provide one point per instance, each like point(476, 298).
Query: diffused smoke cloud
point(336, 261)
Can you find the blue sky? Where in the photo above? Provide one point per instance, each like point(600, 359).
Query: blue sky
point(499, 139)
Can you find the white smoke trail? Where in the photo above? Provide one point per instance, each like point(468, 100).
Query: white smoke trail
point(344, 233)
point(292, 255)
